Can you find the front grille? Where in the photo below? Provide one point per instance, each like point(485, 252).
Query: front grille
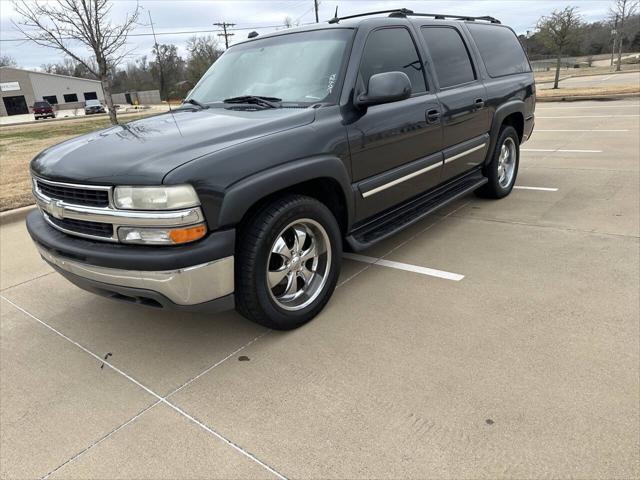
point(75, 195)
point(81, 226)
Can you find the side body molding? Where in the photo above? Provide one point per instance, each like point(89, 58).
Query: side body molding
point(240, 196)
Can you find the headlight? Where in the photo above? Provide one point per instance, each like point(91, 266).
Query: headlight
point(161, 236)
point(155, 198)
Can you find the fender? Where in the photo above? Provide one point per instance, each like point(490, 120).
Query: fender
point(240, 196)
point(502, 112)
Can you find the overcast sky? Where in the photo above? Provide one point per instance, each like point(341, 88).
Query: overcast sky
point(263, 15)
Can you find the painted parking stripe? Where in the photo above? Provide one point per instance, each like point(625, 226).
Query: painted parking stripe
point(404, 266)
point(598, 130)
point(160, 399)
point(558, 150)
point(539, 109)
point(592, 116)
point(543, 189)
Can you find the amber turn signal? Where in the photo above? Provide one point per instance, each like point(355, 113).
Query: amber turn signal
point(190, 234)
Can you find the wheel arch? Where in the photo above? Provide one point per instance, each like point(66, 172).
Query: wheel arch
point(511, 113)
point(324, 178)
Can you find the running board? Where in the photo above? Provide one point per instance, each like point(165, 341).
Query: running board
point(399, 218)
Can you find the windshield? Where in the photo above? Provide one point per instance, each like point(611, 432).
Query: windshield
point(298, 67)
point(41, 105)
point(93, 103)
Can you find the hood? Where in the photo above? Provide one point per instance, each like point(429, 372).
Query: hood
point(142, 152)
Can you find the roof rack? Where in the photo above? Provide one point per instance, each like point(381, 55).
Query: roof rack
point(405, 12)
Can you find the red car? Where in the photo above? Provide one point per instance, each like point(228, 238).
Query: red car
point(43, 109)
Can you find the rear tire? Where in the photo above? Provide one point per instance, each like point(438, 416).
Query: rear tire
point(287, 262)
point(502, 170)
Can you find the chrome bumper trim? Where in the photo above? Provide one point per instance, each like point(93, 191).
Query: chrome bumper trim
point(186, 286)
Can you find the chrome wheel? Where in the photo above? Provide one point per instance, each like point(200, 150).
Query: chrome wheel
point(298, 264)
point(507, 162)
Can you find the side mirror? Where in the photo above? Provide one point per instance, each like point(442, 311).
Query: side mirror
point(385, 87)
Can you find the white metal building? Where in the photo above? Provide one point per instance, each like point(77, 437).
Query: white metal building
point(21, 88)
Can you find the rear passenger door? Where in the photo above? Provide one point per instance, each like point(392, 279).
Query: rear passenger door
point(465, 120)
point(395, 147)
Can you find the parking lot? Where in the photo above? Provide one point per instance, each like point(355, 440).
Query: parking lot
point(492, 339)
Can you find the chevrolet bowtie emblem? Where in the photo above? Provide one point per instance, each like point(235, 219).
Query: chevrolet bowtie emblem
point(56, 209)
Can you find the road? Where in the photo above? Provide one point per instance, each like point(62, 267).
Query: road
point(632, 78)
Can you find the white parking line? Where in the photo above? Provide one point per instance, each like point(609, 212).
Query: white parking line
point(543, 189)
point(404, 266)
point(598, 130)
point(150, 392)
point(559, 150)
point(539, 109)
point(592, 116)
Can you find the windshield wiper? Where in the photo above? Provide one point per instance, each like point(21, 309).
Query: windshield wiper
point(195, 102)
point(268, 102)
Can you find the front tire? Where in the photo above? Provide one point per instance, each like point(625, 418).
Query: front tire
point(287, 262)
point(502, 170)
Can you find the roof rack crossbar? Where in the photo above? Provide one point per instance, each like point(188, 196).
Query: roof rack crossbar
point(405, 12)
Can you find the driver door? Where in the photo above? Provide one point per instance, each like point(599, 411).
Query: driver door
point(395, 147)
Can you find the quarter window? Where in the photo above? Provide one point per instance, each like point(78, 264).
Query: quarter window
point(392, 50)
point(70, 97)
point(450, 56)
point(500, 49)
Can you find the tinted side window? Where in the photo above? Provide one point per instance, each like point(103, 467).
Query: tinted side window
point(392, 50)
point(500, 49)
point(450, 56)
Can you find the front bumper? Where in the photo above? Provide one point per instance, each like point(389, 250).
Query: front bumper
point(198, 276)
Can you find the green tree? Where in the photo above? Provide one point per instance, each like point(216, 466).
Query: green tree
point(558, 31)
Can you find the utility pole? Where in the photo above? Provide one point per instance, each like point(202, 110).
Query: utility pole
point(226, 35)
point(316, 4)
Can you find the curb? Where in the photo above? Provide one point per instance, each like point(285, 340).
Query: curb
point(576, 98)
point(15, 215)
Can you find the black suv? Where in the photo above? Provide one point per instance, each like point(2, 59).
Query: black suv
point(292, 146)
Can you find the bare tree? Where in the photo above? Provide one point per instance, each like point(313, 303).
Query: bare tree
point(61, 23)
point(622, 10)
point(557, 31)
point(7, 61)
point(290, 22)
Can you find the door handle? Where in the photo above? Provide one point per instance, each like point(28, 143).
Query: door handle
point(433, 116)
point(479, 103)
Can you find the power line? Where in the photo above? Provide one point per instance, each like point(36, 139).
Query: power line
point(226, 35)
point(159, 34)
